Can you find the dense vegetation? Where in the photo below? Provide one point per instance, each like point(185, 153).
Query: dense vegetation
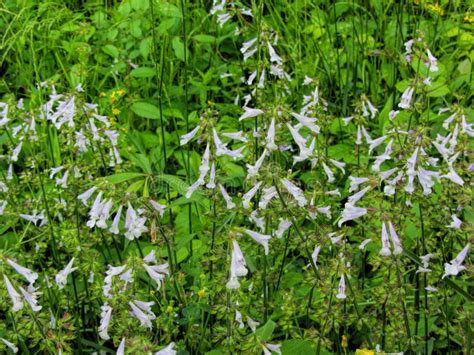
point(222, 177)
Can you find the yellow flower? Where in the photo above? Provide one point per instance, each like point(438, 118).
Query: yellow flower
point(468, 17)
point(115, 111)
point(201, 293)
point(121, 92)
point(364, 352)
point(436, 8)
point(344, 341)
point(102, 94)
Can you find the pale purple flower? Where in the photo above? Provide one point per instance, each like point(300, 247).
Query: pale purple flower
point(455, 266)
point(168, 350)
point(250, 112)
point(229, 203)
point(28, 274)
point(157, 273)
point(456, 223)
point(282, 227)
point(261, 239)
point(106, 316)
point(405, 101)
point(14, 295)
point(397, 245)
point(295, 191)
point(61, 277)
point(341, 294)
point(134, 224)
point(249, 195)
point(142, 311)
point(351, 212)
point(158, 207)
point(237, 266)
point(185, 138)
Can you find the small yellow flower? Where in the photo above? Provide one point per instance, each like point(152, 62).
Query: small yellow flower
point(102, 94)
point(364, 351)
point(469, 17)
point(436, 8)
point(201, 293)
point(121, 92)
point(344, 341)
point(115, 111)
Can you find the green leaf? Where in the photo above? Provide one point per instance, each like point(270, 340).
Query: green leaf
point(143, 72)
point(438, 91)
point(118, 178)
point(178, 48)
point(205, 38)
point(146, 110)
point(111, 50)
point(265, 332)
point(297, 347)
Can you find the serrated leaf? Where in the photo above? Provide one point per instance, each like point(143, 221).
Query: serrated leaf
point(146, 110)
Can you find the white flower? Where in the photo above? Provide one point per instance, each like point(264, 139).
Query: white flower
point(227, 198)
point(212, 177)
point(188, 136)
point(315, 254)
point(351, 212)
point(453, 176)
point(296, 192)
point(364, 243)
point(28, 274)
point(237, 266)
point(35, 218)
point(158, 207)
point(397, 245)
point(249, 195)
point(385, 251)
point(274, 57)
point(455, 266)
point(267, 195)
point(381, 158)
point(329, 173)
point(358, 195)
point(252, 324)
point(142, 311)
point(269, 348)
point(238, 319)
point(341, 294)
point(106, 316)
point(261, 239)
point(456, 223)
point(16, 152)
point(270, 139)
point(14, 295)
point(30, 297)
point(432, 61)
point(355, 182)
point(3, 205)
point(250, 112)
point(61, 277)
point(392, 114)
point(86, 195)
point(252, 170)
point(282, 227)
point(168, 350)
point(405, 101)
point(157, 273)
point(121, 348)
point(235, 136)
point(134, 224)
point(12, 346)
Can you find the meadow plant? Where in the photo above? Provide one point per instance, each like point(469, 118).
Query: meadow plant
point(266, 197)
